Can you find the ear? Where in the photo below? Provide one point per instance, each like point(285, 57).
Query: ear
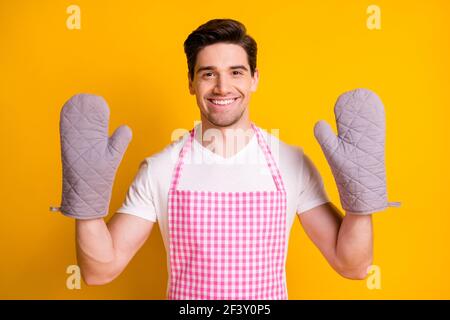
point(255, 81)
point(191, 87)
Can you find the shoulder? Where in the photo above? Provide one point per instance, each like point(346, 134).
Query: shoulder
point(284, 153)
point(166, 158)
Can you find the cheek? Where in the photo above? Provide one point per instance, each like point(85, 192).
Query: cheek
point(203, 88)
point(246, 84)
point(245, 87)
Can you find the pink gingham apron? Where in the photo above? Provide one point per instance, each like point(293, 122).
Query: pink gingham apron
point(227, 245)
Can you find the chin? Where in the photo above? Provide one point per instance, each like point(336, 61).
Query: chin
point(224, 121)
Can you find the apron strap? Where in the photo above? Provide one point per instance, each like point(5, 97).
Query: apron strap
point(270, 160)
point(178, 166)
point(262, 143)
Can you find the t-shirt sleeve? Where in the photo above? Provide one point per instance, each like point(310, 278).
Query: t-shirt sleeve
point(139, 198)
point(311, 189)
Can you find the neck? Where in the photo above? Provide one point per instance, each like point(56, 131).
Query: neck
point(225, 141)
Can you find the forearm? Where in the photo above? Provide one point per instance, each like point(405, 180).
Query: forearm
point(95, 251)
point(354, 247)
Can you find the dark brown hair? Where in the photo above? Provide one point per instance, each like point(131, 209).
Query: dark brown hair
point(219, 30)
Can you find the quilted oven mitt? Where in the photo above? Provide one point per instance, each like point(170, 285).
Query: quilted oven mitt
point(356, 154)
point(89, 157)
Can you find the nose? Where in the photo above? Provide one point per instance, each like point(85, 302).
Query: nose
point(223, 85)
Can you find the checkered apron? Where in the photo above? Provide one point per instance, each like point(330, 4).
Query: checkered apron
point(227, 245)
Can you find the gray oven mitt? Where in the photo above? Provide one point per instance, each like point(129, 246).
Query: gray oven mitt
point(89, 157)
point(356, 154)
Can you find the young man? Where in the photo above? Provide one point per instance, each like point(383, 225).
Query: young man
point(224, 212)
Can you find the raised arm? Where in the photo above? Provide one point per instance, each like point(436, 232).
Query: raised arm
point(90, 159)
point(356, 158)
point(104, 250)
point(346, 242)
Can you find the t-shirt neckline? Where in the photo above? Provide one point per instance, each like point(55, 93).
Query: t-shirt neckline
point(217, 157)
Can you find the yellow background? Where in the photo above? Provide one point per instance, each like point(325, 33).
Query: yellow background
point(131, 52)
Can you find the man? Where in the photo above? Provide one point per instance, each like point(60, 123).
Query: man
point(224, 212)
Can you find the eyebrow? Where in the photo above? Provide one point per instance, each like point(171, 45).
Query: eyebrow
point(213, 68)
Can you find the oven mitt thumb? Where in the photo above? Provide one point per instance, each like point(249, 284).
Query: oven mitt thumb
point(356, 154)
point(89, 157)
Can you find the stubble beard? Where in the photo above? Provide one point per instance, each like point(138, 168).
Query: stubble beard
point(220, 121)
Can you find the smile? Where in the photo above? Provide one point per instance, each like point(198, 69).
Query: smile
point(222, 102)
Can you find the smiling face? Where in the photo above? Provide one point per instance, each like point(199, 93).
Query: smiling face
point(223, 84)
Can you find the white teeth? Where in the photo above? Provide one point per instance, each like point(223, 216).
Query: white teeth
point(223, 102)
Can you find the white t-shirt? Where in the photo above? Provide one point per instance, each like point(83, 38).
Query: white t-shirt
point(247, 170)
